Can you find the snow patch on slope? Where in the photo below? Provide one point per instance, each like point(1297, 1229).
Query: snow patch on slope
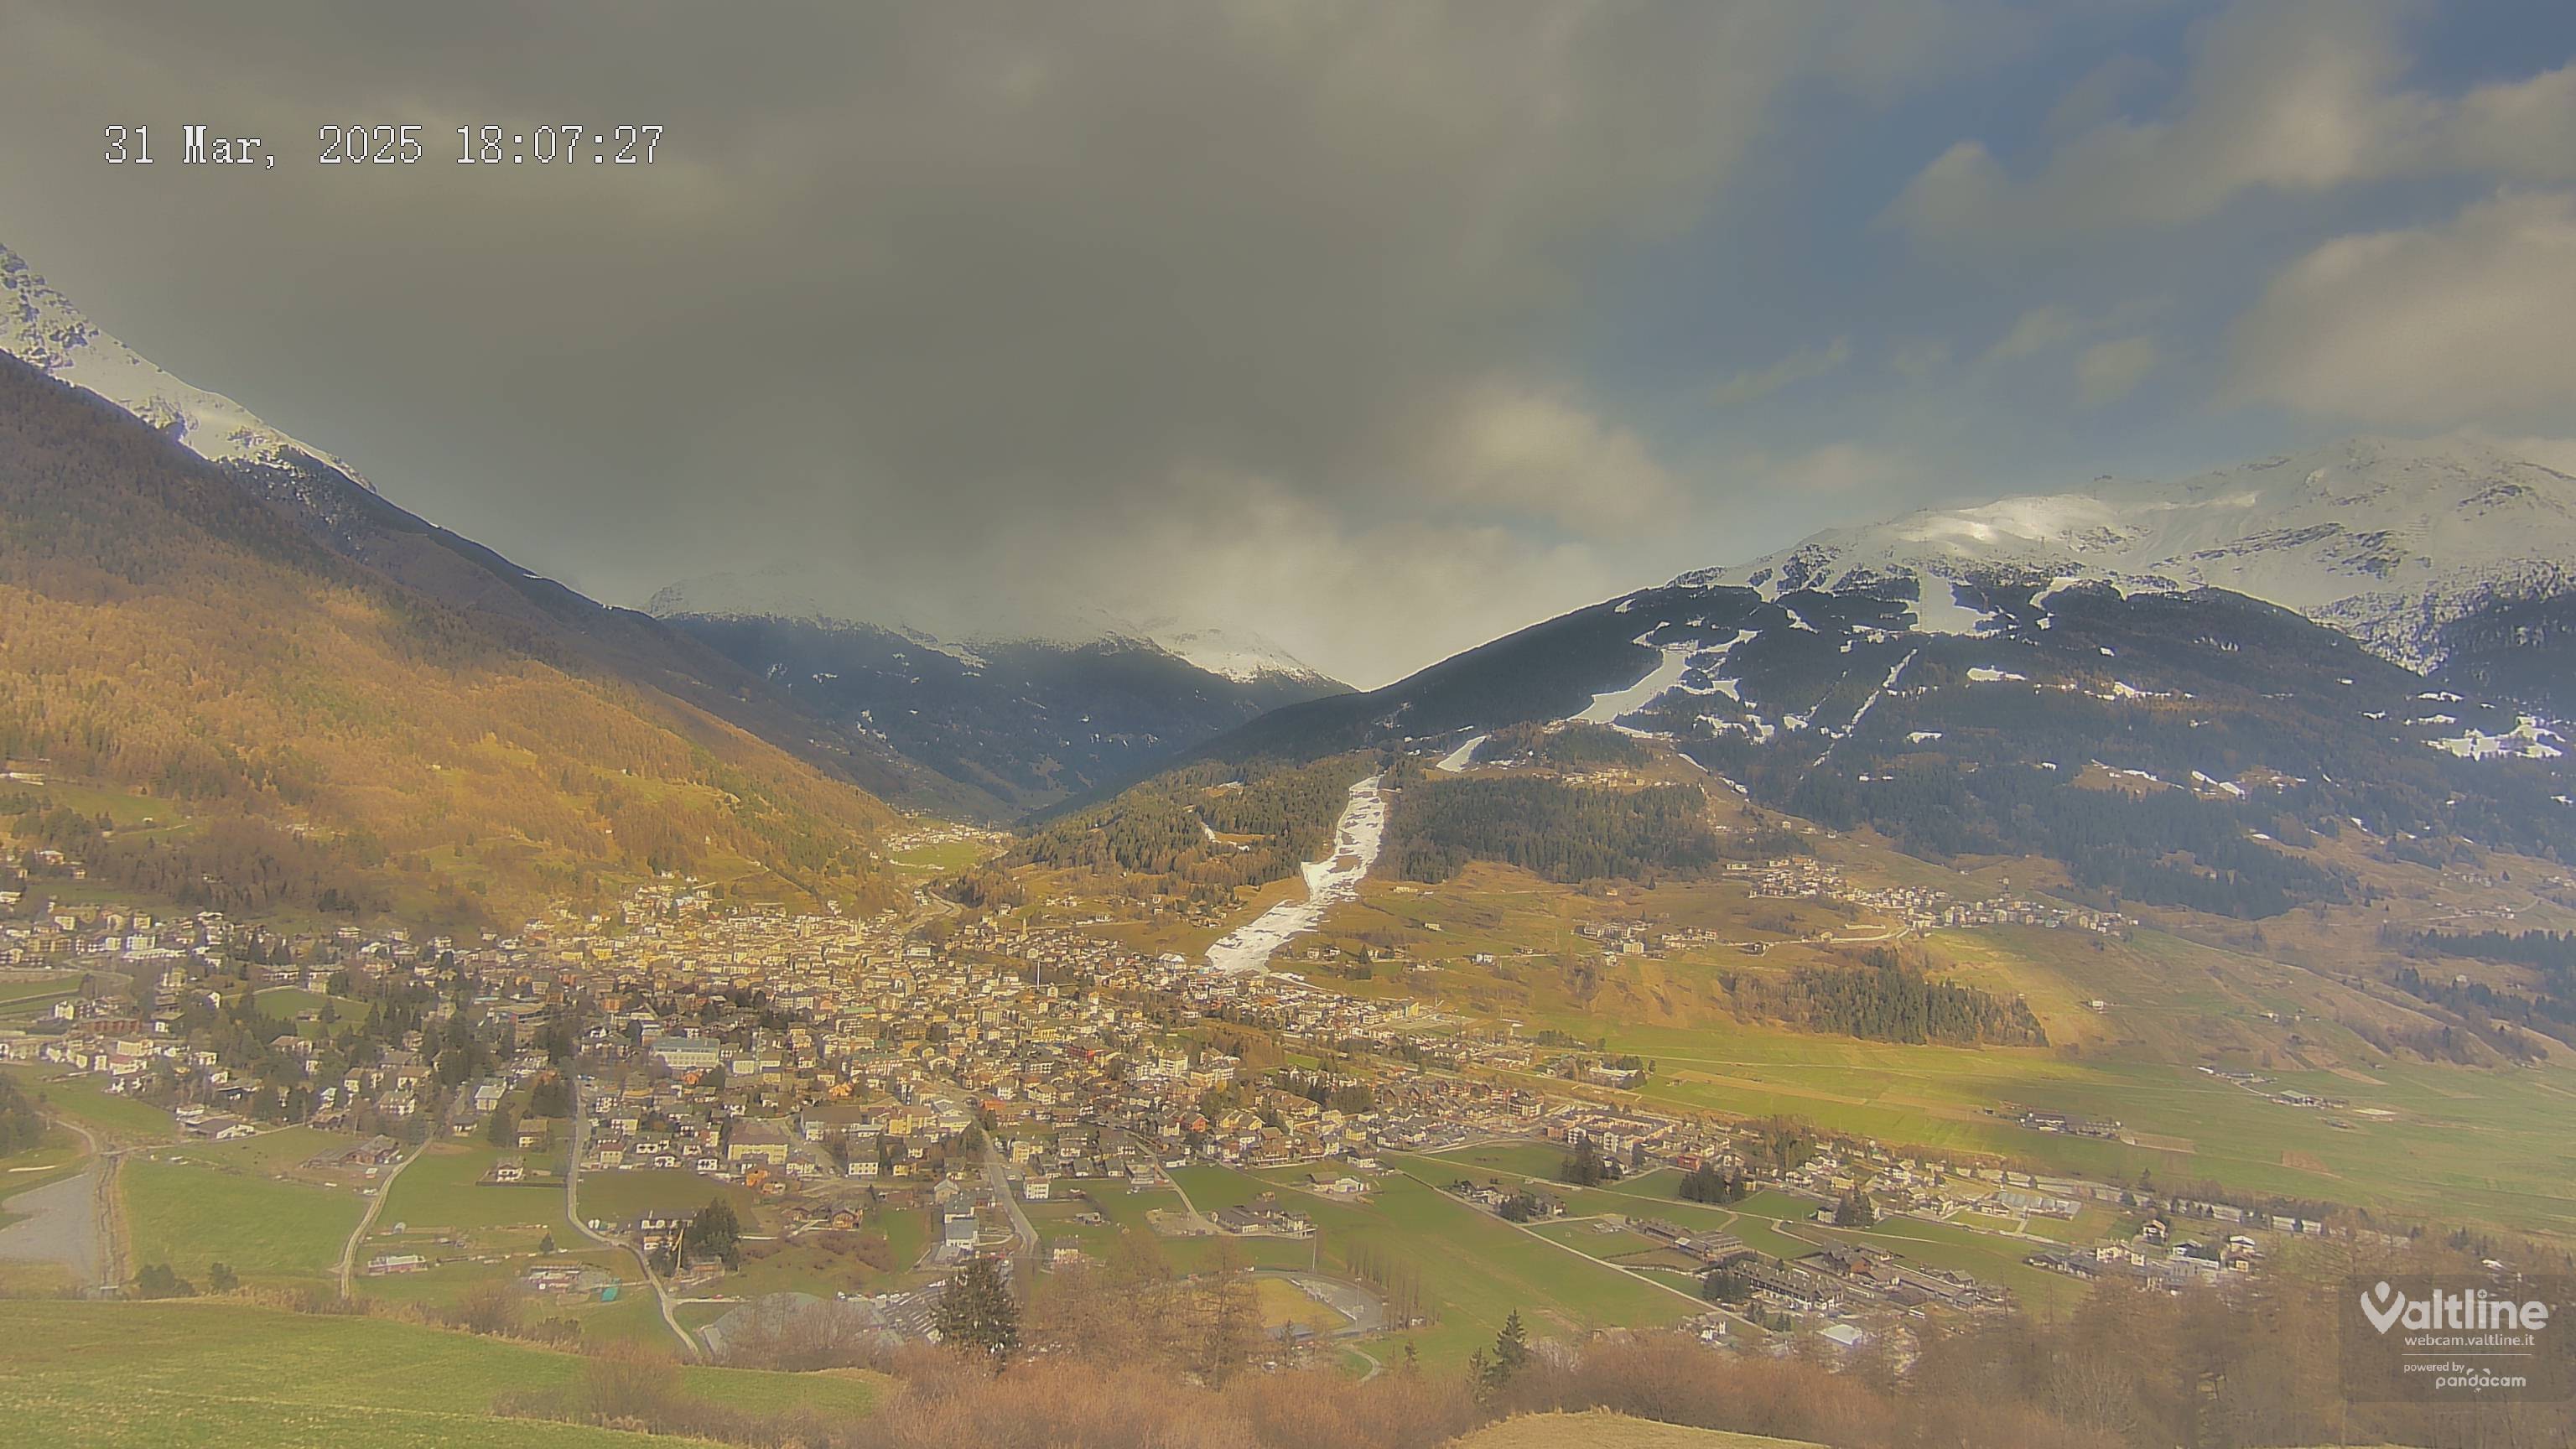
point(2384, 539)
point(1329, 882)
point(1606, 709)
point(41, 327)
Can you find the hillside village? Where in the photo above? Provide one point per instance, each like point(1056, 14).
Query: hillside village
point(839, 1069)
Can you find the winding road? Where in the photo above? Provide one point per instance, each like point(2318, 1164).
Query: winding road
point(689, 1345)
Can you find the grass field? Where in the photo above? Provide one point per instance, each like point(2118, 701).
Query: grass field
point(1283, 1303)
point(57, 1155)
point(944, 855)
point(216, 1373)
point(1757, 1221)
point(2453, 1144)
point(1610, 1431)
point(443, 1192)
point(1475, 1267)
point(617, 1198)
point(189, 1214)
point(118, 1118)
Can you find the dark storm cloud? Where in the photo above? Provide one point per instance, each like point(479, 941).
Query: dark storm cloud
point(1378, 328)
point(1208, 310)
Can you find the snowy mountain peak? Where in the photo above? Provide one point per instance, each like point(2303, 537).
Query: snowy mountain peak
point(40, 326)
point(2386, 539)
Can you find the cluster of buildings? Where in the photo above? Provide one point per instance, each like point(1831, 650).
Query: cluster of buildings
point(827, 1062)
point(1923, 908)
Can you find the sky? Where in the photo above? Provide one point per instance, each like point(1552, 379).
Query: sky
point(1377, 329)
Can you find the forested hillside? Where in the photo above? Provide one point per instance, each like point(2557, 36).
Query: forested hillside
point(1203, 830)
point(338, 741)
point(1547, 827)
point(1883, 999)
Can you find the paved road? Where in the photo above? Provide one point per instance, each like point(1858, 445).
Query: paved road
point(1000, 1182)
point(689, 1346)
point(367, 1224)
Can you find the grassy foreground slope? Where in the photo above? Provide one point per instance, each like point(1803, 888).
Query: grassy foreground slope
point(207, 1372)
point(1609, 1431)
point(334, 740)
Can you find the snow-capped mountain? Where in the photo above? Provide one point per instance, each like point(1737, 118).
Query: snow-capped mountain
point(1024, 724)
point(2171, 690)
point(2177, 746)
point(338, 509)
point(39, 325)
point(2399, 544)
point(796, 595)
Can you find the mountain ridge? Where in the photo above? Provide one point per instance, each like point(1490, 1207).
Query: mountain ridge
point(42, 327)
point(1241, 655)
point(2393, 541)
point(334, 739)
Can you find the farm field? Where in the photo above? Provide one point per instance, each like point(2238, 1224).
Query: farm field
point(173, 1374)
point(443, 1192)
point(191, 1213)
point(2455, 1143)
point(1475, 1268)
point(2445, 1141)
point(619, 1197)
point(57, 1155)
point(1758, 1222)
point(24, 998)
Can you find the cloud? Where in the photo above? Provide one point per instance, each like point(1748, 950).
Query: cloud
point(908, 277)
point(2558, 453)
point(1801, 365)
point(1835, 468)
point(2107, 371)
point(2036, 330)
point(1508, 449)
point(2467, 320)
point(2286, 97)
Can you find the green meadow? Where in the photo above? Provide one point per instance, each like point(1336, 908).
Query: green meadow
point(1476, 1268)
point(117, 1118)
point(190, 1214)
point(164, 1375)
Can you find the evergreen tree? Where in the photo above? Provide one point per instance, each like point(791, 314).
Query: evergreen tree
point(1511, 1353)
point(716, 1233)
point(977, 1313)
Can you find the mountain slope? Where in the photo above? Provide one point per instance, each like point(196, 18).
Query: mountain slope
point(2164, 745)
point(1024, 722)
point(40, 326)
point(796, 594)
point(341, 741)
point(2414, 548)
point(341, 511)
